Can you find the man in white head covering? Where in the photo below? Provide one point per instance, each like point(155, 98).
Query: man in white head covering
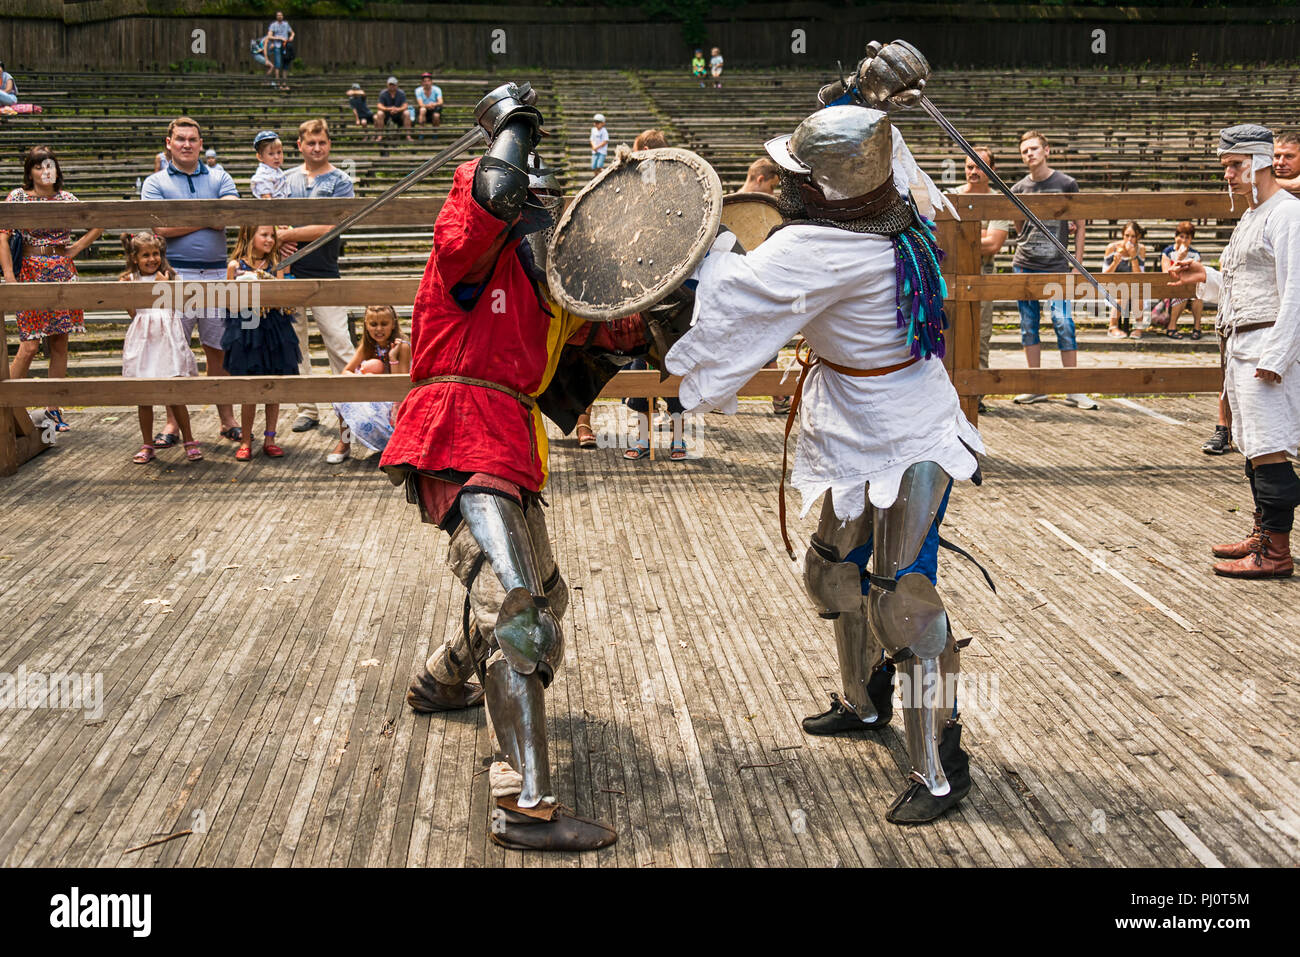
point(1258, 292)
point(855, 270)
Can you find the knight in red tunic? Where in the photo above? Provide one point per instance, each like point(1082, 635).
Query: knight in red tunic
point(470, 447)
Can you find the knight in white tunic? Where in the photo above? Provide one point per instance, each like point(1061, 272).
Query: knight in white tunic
point(1258, 292)
point(855, 271)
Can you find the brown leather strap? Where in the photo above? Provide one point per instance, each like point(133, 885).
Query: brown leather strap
point(868, 373)
point(527, 401)
point(807, 364)
point(1250, 326)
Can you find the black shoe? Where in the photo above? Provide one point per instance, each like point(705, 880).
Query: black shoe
point(916, 805)
point(304, 423)
point(982, 407)
point(1220, 442)
point(841, 719)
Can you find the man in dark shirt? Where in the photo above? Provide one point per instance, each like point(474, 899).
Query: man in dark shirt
point(1037, 254)
point(392, 106)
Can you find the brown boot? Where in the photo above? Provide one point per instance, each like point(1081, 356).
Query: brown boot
point(1239, 549)
point(427, 694)
point(1270, 557)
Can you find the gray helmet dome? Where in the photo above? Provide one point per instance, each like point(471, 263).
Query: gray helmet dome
point(845, 150)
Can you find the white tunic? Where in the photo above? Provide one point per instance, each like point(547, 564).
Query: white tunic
point(1265, 415)
point(837, 288)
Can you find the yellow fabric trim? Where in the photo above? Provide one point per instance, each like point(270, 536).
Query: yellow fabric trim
point(563, 325)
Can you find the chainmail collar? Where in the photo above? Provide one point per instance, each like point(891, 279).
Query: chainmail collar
point(891, 221)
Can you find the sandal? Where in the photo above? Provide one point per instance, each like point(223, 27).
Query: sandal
point(193, 452)
point(587, 441)
point(269, 447)
point(165, 440)
point(56, 415)
point(677, 451)
point(1196, 333)
point(638, 450)
point(1174, 334)
point(144, 456)
point(234, 433)
point(1115, 332)
point(244, 453)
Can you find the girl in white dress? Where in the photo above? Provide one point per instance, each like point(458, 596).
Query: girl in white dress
point(156, 346)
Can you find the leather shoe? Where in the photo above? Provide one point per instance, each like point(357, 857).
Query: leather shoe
point(561, 830)
point(1269, 557)
point(1242, 548)
point(427, 694)
point(304, 423)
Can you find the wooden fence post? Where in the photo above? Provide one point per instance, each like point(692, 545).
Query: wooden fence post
point(966, 316)
point(960, 241)
point(19, 440)
point(8, 438)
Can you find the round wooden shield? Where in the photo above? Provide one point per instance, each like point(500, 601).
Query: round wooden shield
point(634, 233)
point(751, 217)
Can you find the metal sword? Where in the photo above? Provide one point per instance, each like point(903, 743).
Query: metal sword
point(467, 140)
point(996, 180)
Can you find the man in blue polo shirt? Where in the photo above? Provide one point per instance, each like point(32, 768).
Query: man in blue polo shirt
point(196, 252)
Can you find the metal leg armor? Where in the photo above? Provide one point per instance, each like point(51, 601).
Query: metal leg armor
point(908, 618)
point(517, 596)
point(834, 582)
point(445, 684)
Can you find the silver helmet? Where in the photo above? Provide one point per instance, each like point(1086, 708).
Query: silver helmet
point(545, 200)
point(845, 151)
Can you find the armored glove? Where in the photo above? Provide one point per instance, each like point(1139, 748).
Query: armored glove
point(893, 74)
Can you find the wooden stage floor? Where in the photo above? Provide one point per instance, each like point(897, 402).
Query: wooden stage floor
point(255, 626)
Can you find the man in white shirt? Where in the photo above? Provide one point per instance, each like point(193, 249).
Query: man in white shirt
point(882, 434)
point(599, 141)
point(1258, 292)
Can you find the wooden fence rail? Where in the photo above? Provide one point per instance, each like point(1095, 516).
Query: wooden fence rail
point(967, 287)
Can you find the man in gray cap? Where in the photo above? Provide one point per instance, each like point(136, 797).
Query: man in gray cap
point(392, 106)
point(1258, 292)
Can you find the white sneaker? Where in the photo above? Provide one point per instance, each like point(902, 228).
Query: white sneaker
point(1080, 400)
point(1029, 398)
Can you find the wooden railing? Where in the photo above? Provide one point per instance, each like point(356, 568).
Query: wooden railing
point(968, 287)
point(19, 440)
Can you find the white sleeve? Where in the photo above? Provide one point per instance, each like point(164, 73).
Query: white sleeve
point(1212, 288)
point(1281, 348)
point(746, 308)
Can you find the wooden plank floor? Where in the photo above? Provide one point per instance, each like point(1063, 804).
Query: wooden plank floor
point(256, 625)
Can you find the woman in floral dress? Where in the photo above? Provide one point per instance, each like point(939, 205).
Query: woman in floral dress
point(47, 256)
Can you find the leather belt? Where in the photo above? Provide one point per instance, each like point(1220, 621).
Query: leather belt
point(807, 364)
point(527, 401)
point(1248, 327)
point(32, 250)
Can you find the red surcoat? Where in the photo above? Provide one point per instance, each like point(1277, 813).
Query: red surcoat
point(504, 337)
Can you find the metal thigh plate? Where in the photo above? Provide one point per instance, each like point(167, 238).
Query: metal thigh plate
point(516, 705)
point(900, 530)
